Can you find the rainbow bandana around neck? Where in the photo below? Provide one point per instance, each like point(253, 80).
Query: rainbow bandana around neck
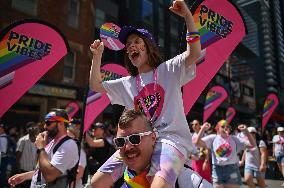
point(53, 117)
point(135, 181)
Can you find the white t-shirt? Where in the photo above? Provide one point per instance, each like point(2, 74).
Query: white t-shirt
point(279, 145)
point(63, 159)
point(82, 163)
point(171, 122)
point(224, 151)
point(28, 158)
point(253, 155)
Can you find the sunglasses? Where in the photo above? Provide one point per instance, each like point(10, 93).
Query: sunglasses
point(225, 126)
point(133, 139)
point(48, 123)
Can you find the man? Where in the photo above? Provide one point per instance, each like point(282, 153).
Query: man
point(135, 140)
point(26, 151)
point(54, 158)
point(278, 149)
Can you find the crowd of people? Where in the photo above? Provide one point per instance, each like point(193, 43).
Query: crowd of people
point(153, 146)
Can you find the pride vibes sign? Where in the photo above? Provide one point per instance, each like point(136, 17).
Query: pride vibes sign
point(28, 49)
point(215, 96)
point(221, 29)
point(270, 103)
point(97, 102)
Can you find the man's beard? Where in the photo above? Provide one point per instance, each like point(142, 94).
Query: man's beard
point(53, 132)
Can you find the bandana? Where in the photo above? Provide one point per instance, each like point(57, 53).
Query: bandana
point(53, 117)
point(135, 181)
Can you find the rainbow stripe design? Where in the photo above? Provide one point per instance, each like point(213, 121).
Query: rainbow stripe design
point(268, 104)
point(133, 181)
point(206, 37)
point(228, 114)
point(53, 117)
point(10, 60)
point(223, 150)
point(110, 30)
point(211, 97)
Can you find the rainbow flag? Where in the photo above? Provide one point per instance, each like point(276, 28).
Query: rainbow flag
point(136, 181)
point(270, 104)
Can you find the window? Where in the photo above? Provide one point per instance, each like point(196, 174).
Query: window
point(69, 67)
point(174, 26)
point(100, 18)
point(147, 12)
point(26, 6)
point(247, 91)
point(73, 13)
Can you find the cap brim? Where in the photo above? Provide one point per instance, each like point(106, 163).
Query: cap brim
point(125, 32)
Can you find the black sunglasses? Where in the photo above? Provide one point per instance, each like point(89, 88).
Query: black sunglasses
point(48, 123)
point(134, 139)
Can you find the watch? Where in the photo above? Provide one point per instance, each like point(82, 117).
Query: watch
point(39, 150)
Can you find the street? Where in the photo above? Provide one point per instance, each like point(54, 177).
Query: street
point(269, 183)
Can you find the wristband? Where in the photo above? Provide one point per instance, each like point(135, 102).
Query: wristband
point(39, 150)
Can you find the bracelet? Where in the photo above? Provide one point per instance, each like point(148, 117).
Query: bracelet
point(192, 37)
point(39, 150)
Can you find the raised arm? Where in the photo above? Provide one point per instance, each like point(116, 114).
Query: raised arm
point(244, 129)
point(193, 51)
point(198, 141)
point(97, 49)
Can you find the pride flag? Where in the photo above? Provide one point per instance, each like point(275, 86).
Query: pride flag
point(230, 114)
point(270, 103)
point(221, 28)
point(28, 49)
point(215, 96)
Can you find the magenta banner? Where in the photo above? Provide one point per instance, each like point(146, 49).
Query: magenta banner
point(28, 49)
point(215, 96)
point(270, 103)
point(97, 102)
point(221, 28)
point(230, 114)
point(72, 108)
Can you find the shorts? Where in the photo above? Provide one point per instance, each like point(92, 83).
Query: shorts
point(166, 162)
point(254, 172)
point(227, 174)
point(280, 158)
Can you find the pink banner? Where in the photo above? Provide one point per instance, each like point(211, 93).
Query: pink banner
point(97, 102)
point(230, 114)
point(221, 28)
point(215, 96)
point(270, 103)
point(28, 49)
point(72, 108)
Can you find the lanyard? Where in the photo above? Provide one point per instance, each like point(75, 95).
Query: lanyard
point(139, 82)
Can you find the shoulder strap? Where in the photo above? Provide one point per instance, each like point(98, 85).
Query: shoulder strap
point(60, 143)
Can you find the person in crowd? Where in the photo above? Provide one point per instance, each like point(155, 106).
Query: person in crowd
point(26, 151)
point(201, 164)
point(278, 149)
point(151, 88)
point(100, 148)
point(225, 147)
point(255, 159)
point(73, 132)
point(54, 158)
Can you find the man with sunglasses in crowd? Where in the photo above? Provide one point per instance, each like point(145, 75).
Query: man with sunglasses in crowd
point(52, 164)
point(135, 140)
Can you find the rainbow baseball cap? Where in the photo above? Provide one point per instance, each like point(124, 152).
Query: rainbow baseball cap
point(57, 115)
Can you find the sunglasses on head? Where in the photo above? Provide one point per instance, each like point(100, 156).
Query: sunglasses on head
point(134, 139)
point(48, 123)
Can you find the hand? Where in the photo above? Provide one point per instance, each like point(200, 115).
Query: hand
point(262, 168)
point(97, 48)
point(243, 128)
point(206, 126)
point(180, 8)
point(16, 179)
point(241, 163)
point(41, 140)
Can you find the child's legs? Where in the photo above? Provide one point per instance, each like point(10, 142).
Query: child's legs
point(166, 165)
point(109, 172)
